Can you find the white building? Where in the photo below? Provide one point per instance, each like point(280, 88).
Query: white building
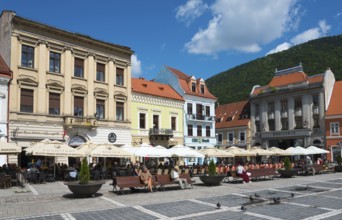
point(199, 108)
point(289, 111)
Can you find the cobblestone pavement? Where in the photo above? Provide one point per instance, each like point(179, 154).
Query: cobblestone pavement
point(309, 197)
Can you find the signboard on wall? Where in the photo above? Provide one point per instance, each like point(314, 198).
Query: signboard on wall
point(112, 137)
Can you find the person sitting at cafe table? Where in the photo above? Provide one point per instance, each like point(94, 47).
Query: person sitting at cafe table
point(146, 178)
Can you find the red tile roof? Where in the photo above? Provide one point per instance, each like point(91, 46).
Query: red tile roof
point(140, 85)
point(335, 105)
point(233, 111)
point(290, 78)
point(4, 69)
point(184, 81)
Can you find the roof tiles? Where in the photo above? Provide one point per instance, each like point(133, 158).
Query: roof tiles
point(335, 106)
point(230, 115)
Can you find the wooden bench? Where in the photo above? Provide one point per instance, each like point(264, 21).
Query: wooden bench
point(188, 179)
point(315, 169)
point(232, 177)
point(164, 180)
point(263, 173)
point(129, 182)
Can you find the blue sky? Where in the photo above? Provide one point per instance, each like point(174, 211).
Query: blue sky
point(200, 38)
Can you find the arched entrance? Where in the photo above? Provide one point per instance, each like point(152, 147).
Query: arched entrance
point(75, 141)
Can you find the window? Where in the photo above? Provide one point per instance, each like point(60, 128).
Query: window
point(119, 76)
point(173, 123)
point(26, 100)
point(199, 109)
point(156, 121)
point(78, 106)
point(316, 121)
point(219, 138)
point(298, 102)
point(202, 89)
point(299, 122)
point(242, 136)
point(100, 108)
point(257, 126)
point(207, 131)
point(142, 121)
point(334, 128)
point(100, 72)
point(55, 62)
point(283, 105)
point(120, 111)
point(190, 133)
point(207, 111)
point(79, 68)
point(270, 106)
point(189, 108)
point(199, 130)
point(54, 103)
point(284, 124)
point(271, 125)
point(27, 56)
point(315, 100)
point(231, 137)
point(193, 87)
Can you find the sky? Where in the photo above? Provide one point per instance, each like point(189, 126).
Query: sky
point(200, 38)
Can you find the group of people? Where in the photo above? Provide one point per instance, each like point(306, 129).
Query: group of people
point(146, 178)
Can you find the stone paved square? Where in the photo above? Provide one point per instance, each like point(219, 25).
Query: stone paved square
point(226, 215)
point(174, 209)
point(50, 217)
point(335, 217)
point(335, 193)
point(301, 189)
point(285, 211)
point(319, 201)
point(227, 200)
point(330, 185)
point(335, 181)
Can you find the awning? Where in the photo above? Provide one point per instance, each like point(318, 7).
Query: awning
point(9, 148)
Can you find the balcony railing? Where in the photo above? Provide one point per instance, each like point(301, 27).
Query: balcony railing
point(155, 131)
point(80, 121)
point(284, 114)
point(200, 117)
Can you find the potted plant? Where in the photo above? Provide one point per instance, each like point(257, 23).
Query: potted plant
point(84, 187)
point(287, 171)
point(212, 179)
point(338, 167)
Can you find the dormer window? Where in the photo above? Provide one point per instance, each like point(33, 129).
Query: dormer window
point(202, 89)
point(193, 87)
point(230, 118)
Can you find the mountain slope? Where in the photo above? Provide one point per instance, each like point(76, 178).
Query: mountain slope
point(316, 56)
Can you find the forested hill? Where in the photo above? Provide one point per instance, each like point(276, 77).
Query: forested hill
point(316, 56)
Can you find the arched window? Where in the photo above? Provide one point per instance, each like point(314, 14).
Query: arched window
point(76, 141)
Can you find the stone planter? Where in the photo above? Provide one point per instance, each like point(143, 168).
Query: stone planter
point(212, 180)
point(287, 173)
point(338, 168)
point(85, 190)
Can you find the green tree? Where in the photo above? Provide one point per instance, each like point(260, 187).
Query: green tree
point(84, 173)
point(287, 163)
point(212, 168)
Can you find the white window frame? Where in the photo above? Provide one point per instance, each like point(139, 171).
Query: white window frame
point(218, 134)
point(244, 132)
point(230, 141)
point(334, 126)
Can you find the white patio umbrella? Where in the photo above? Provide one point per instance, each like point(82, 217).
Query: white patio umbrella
point(240, 152)
point(40, 144)
point(146, 150)
point(261, 152)
point(316, 150)
point(86, 147)
point(183, 151)
point(297, 151)
point(9, 148)
point(109, 150)
point(279, 152)
point(214, 152)
point(54, 149)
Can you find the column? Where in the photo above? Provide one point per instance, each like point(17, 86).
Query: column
point(291, 113)
point(252, 124)
point(277, 115)
point(264, 118)
point(307, 110)
point(41, 99)
point(89, 73)
point(111, 88)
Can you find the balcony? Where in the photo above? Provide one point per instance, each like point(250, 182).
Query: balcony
point(298, 112)
point(257, 118)
point(315, 110)
point(161, 134)
point(73, 121)
point(283, 114)
point(200, 117)
point(271, 115)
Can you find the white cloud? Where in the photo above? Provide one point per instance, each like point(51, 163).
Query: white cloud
point(190, 11)
point(280, 47)
point(311, 34)
point(243, 25)
point(136, 66)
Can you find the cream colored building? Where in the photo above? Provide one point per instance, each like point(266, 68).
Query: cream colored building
point(157, 114)
point(65, 86)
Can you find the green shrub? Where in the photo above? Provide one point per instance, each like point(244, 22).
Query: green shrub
point(212, 168)
point(84, 173)
point(287, 163)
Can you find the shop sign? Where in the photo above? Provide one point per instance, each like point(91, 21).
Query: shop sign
point(276, 134)
point(112, 137)
point(200, 140)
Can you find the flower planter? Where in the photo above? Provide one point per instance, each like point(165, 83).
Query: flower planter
point(85, 190)
point(212, 180)
point(287, 173)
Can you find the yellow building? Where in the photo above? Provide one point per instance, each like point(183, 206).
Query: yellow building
point(65, 85)
point(157, 114)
